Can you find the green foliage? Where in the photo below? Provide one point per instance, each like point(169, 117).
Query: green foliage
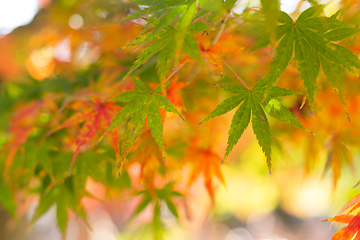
point(167, 37)
point(159, 197)
point(252, 104)
point(7, 199)
point(271, 12)
point(145, 106)
point(312, 34)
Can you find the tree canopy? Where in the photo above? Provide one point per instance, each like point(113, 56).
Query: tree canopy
point(181, 110)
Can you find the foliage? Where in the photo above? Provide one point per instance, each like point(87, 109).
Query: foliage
point(55, 117)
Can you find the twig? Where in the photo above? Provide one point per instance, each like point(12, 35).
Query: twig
point(236, 75)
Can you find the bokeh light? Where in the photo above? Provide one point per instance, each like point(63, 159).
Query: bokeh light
point(16, 13)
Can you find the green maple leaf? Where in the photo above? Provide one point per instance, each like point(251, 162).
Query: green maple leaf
point(154, 8)
point(311, 36)
point(7, 199)
point(163, 195)
point(167, 39)
point(251, 106)
point(271, 11)
point(145, 105)
point(64, 199)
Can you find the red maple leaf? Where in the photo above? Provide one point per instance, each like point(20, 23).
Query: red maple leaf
point(95, 114)
point(24, 122)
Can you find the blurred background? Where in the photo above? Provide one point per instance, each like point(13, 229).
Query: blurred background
point(67, 50)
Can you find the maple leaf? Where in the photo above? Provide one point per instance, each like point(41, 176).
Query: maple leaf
point(271, 12)
point(350, 230)
point(167, 47)
point(165, 38)
point(154, 8)
point(353, 221)
point(173, 92)
point(252, 105)
point(24, 122)
point(96, 115)
point(212, 53)
point(144, 106)
point(312, 35)
point(207, 162)
point(166, 195)
point(147, 153)
point(338, 155)
point(65, 200)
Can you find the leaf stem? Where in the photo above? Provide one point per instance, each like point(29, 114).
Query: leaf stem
point(223, 24)
point(201, 17)
point(254, 9)
point(173, 72)
point(236, 75)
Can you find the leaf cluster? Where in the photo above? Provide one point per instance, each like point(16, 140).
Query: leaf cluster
point(42, 145)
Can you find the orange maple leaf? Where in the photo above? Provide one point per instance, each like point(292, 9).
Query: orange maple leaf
point(353, 221)
point(173, 92)
point(350, 230)
point(212, 54)
point(224, 45)
point(207, 162)
point(338, 155)
point(147, 153)
point(95, 114)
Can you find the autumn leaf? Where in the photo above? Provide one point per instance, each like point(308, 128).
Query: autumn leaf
point(253, 105)
point(96, 115)
point(212, 53)
point(205, 161)
point(147, 153)
point(24, 122)
point(173, 92)
point(338, 155)
point(353, 221)
point(144, 107)
point(81, 61)
point(350, 231)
